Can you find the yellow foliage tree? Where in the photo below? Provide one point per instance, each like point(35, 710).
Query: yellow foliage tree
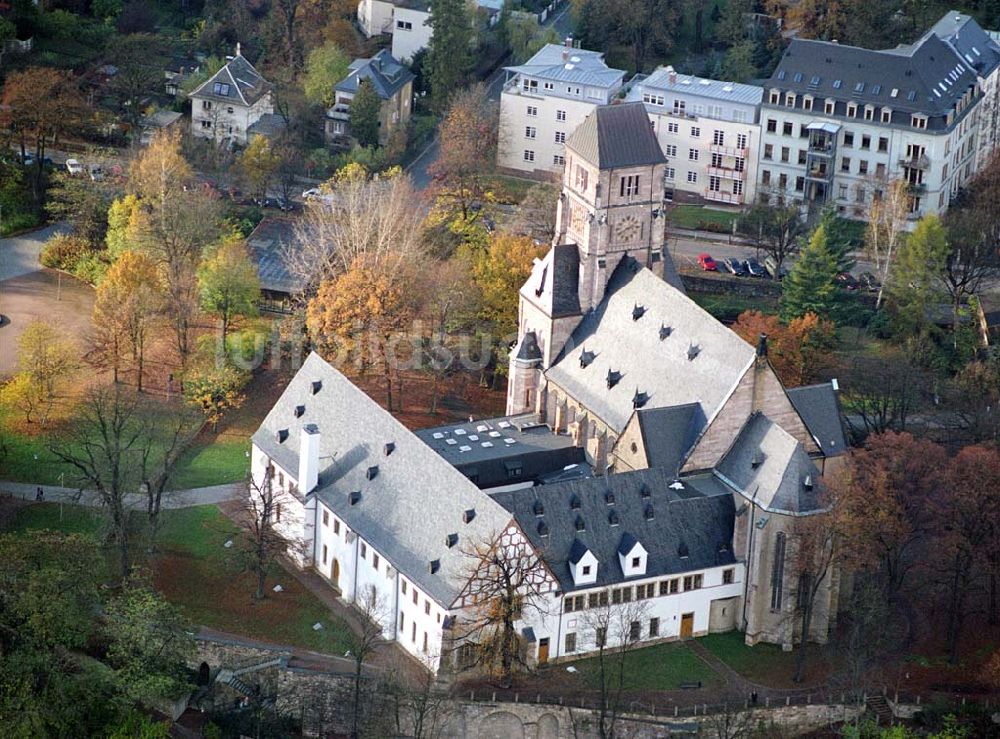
point(258, 163)
point(46, 364)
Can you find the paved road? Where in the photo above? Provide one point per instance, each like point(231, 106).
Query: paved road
point(19, 254)
point(212, 495)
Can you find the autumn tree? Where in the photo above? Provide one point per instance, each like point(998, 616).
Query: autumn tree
point(774, 229)
point(46, 362)
point(376, 220)
point(968, 528)
point(811, 286)
point(215, 388)
point(798, 351)
point(38, 106)
point(887, 218)
point(81, 202)
point(123, 220)
point(449, 53)
point(366, 107)
point(128, 301)
point(326, 65)
point(258, 164)
point(356, 315)
point(885, 504)
point(507, 578)
point(973, 395)
point(229, 282)
point(178, 221)
point(470, 130)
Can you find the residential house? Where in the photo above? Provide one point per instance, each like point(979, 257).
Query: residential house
point(839, 122)
point(544, 100)
point(226, 105)
point(409, 22)
point(393, 83)
point(709, 132)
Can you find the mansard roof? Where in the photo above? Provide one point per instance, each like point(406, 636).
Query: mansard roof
point(768, 465)
point(968, 39)
point(415, 499)
point(614, 136)
point(669, 519)
point(675, 352)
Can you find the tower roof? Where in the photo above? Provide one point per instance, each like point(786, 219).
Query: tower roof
point(616, 136)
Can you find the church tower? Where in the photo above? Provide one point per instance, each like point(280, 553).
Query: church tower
point(611, 206)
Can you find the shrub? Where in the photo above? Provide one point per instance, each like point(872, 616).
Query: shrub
point(64, 251)
point(714, 227)
point(18, 222)
point(91, 268)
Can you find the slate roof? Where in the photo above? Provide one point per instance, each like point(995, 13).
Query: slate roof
point(270, 243)
point(663, 368)
point(527, 348)
point(580, 66)
point(415, 500)
point(969, 40)
point(703, 523)
point(733, 92)
point(669, 433)
point(929, 76)
point(554, 284)
point(767, 462)
point(819, 408)
point(269, 124)
point(615, 136)
point(237, 82)
point(387, 75)
point(520, 449)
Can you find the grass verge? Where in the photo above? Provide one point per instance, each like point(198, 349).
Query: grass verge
point(696, 216)
point(659, 667)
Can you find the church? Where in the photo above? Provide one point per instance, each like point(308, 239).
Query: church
point(649, 457)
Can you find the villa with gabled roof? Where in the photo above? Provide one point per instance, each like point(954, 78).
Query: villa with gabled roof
point(231, 101)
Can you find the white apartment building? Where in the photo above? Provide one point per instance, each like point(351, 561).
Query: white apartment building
point(544, 100)
point(409, 22)
point(838, 122)
point(709, 132)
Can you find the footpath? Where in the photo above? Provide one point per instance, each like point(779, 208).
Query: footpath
point(189, 498)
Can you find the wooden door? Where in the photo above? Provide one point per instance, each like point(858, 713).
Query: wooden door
point(687, 625)
point(336, 573)
point(543, 651)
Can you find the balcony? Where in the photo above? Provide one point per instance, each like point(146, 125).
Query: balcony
point(718, 196)
point(730, 151)
point(339, 112)
point(916, 188)
point(822, 149)
point(727, 173)
point(920, 162)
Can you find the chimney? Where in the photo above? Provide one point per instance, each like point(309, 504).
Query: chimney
point(309, 459)
point(762, 345)
point(568, 42)
point(672, 75)
point(237, 48)
point(565, 55)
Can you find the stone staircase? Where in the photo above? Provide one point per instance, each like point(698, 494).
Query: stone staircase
point(879, 707)
point(231, 675)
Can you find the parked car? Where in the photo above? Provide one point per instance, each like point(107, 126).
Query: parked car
point(96, 172)
point(706, 262)
point(735, 266)
point(771, 265)
point(74, 167)
point(312, 192)
point(847, 281)
point(869, 282)
point(755, 268)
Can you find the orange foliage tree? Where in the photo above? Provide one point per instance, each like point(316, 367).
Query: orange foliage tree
point(798, 350)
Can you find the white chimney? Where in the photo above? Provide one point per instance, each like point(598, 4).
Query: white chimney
point(309, 459)
point(672, 75)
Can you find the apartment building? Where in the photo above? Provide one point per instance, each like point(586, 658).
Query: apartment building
point(709, 132)
point(544, 100)
point(838, 122)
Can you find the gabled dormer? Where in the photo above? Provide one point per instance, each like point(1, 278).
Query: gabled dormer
point(632, 555)
point(582, 564)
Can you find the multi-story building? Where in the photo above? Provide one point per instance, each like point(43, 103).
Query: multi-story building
point(392, 82)
point(709, 132)
point(544, 100)
point(229, 102)
point(839, 122)
point(409, 22)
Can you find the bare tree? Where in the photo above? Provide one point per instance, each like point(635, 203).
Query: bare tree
point(450, 296)
point(362, 642)
point(378, 220)
point(617, 630)
point(884, 389)
point(776, 230)
point(887, 219)
point(536, 213)
point(421, 709)
point(506, 579)
point(263, 539)
point(172, 438)
point(733, 719)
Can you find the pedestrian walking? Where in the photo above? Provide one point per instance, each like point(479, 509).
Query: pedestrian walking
point(39, 494)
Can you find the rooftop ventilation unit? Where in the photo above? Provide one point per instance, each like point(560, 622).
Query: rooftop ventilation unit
point(451, 540)
point(389, 448)
point(638, 311)
point(317, 385)
point(434, 566)
point(613, 377)
point(300, 411)
point(665, 331)
point(372, 472)
point(355, 497)
point(469, 515)
point(281, 435)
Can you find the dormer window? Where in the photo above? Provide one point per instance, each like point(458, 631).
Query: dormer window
point(582, 564)
point(790, 100)
point(632, 556)
point(774, 97)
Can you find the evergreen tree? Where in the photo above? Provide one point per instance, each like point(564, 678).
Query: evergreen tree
point(449, 59)
point(839, 239)
point(811, 285)
point(365, 109)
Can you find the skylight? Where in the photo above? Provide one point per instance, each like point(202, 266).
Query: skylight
point(837, 84)
point(797, 77)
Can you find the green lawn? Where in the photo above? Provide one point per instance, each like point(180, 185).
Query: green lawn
point(763, 663)
point(510, 190)
point(222, 459)
point(727, 307)
point(693, 216)
point(659, 667)
point(197, 572)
